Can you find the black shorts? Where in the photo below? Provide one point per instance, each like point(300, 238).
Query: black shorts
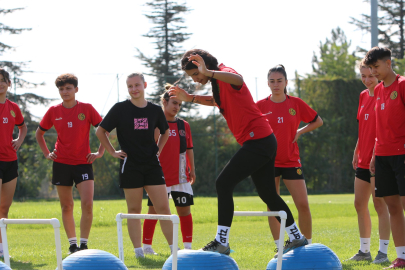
point(66, 175)
point(8, 170)
point(291, 173)
point(180, 199)
point(389, 175)
point(134, 175)
point(364, 174)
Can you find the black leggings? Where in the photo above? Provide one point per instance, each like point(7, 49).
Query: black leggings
point(255, 158)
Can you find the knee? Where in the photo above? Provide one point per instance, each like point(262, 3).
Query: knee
point(360, 205)
point(135, 209)
point(183, 211)
point(303, 208)
point(67, 207)
point(379, 205)
point(395, 208)
point(4, 210)
point(87, 206)
point(163, 209)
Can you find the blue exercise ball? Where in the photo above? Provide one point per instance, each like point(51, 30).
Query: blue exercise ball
point(92, 259)
point(4, 266)
point(199, 260)
point(314, 256)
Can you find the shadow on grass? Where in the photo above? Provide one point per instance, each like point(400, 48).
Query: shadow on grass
point(150, 262)
point(362, 265)
point(19, 265)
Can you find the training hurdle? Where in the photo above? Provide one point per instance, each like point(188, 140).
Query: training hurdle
point(173, 218)
point(283, 217)
point(53, 221)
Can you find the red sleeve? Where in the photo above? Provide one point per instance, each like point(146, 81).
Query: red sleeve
point(188, 136)
point(307, 114)
point(46, 122)
point(19, 119)
point(358, 109)
point(95, 117)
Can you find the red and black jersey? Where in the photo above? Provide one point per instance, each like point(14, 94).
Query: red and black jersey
point(366, 119)
point(285, 118)
point(73, 127)
point(10, 116)
point(242, 115)
point(390, 118)
point(173, 159)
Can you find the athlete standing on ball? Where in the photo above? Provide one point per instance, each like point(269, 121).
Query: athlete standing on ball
point(285, 114)
point(364, 183)
point(72, 157)
point(177, 161)
point(251, 130)
point(10, 116)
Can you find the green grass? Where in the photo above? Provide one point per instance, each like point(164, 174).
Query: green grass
point(334, 225)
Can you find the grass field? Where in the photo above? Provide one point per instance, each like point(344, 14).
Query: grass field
point(334, 225)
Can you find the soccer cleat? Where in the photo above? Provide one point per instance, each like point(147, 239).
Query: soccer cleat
point(149, 251)
point(83, 246)
point(361, 256)
point(215, 246)
point(73, 248)
point(139, 253)
point(397, 264)
point(381, 258)
point(293, 245)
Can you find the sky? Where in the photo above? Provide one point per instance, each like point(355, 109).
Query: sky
point(97, 40)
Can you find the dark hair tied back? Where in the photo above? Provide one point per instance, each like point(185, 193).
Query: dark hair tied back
point(211, 63)
point(280, 69)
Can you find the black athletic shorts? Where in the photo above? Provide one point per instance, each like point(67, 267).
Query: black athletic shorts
point(180, 199)
point(291, 173)
point(134, 175)
point(364, 174)
point(8, 170)
point(66, 175)
point(389, 175)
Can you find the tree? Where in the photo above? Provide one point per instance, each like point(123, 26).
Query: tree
point(390, 26)
point(168, 35)
point(335, 61)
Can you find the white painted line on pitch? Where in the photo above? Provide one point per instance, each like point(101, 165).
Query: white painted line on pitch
point(53, 221)
point(173, 218)
point(283, 217)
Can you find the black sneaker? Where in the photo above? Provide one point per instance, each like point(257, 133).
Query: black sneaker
point(215, 246)
point(293, 245)
point(73, 248)
point(83, 246)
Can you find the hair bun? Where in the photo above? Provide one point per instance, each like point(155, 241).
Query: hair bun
point(167, 86)
point(280, 65)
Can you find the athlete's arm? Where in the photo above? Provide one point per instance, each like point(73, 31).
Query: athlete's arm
point(372, 162)
point(22, 132)
point(355, 155)
point(311, 126)
point(39, 135)
point(190, 156)
point(162, 140)
point(102, 135)
point(177, 92)
point(93, 156)
point(157, 134)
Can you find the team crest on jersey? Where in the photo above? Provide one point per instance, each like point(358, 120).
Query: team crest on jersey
point(394, 95)
point(81, 116)
point(299, 171)
point(182, 132)
point(12, 113)
point(292, 111)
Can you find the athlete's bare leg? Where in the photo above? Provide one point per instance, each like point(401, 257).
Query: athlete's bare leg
point(362, 193)
point(384, 226)
point(183, 211)
point(66, 203)
point(273, 222)
point(86, 191)
point(397, 219)
point(7, 194)
point(133, 196)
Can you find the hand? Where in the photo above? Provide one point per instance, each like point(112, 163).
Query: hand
point(192, 177)
point(355, 161)
point(16, 144)
point(52, 156)
point(177, 92)
point(199, 62)
point(93, 156)
point(119, 154)
point(372, 165)
point(297, 135)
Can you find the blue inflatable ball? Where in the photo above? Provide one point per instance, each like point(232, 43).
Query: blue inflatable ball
point(199, 260)
point(92, 259)
point(4, 266)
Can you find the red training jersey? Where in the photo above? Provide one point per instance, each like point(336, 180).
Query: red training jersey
point(73, 127)
point(390, 118)
point(285, 118)
point(366, 119)
point(242, 115)
point(10, 116)
point(175, 165)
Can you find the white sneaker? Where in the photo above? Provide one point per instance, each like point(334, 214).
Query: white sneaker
point(149, 251)
point(139, 253)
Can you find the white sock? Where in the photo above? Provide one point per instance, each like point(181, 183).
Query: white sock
point(139, 252)
point(223, 235)
point(293, 232)
point(146, 246)
point(365, 245)
point(187, 245)
point(309, 241)
point(83, 241)
point(384, 246)
point(73, 241)
point(400, 252)
point(276, 242)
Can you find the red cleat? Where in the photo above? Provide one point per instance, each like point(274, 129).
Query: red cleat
point(397, 264)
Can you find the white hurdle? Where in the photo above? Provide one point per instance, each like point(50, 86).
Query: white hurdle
point(283, 217)
point(174, 218)
point(53, 221)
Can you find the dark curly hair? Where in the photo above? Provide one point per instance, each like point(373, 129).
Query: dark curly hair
point(211, 63)
point(5, 74)
point(66, 78)
point(280, 69)
point(375, 54)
